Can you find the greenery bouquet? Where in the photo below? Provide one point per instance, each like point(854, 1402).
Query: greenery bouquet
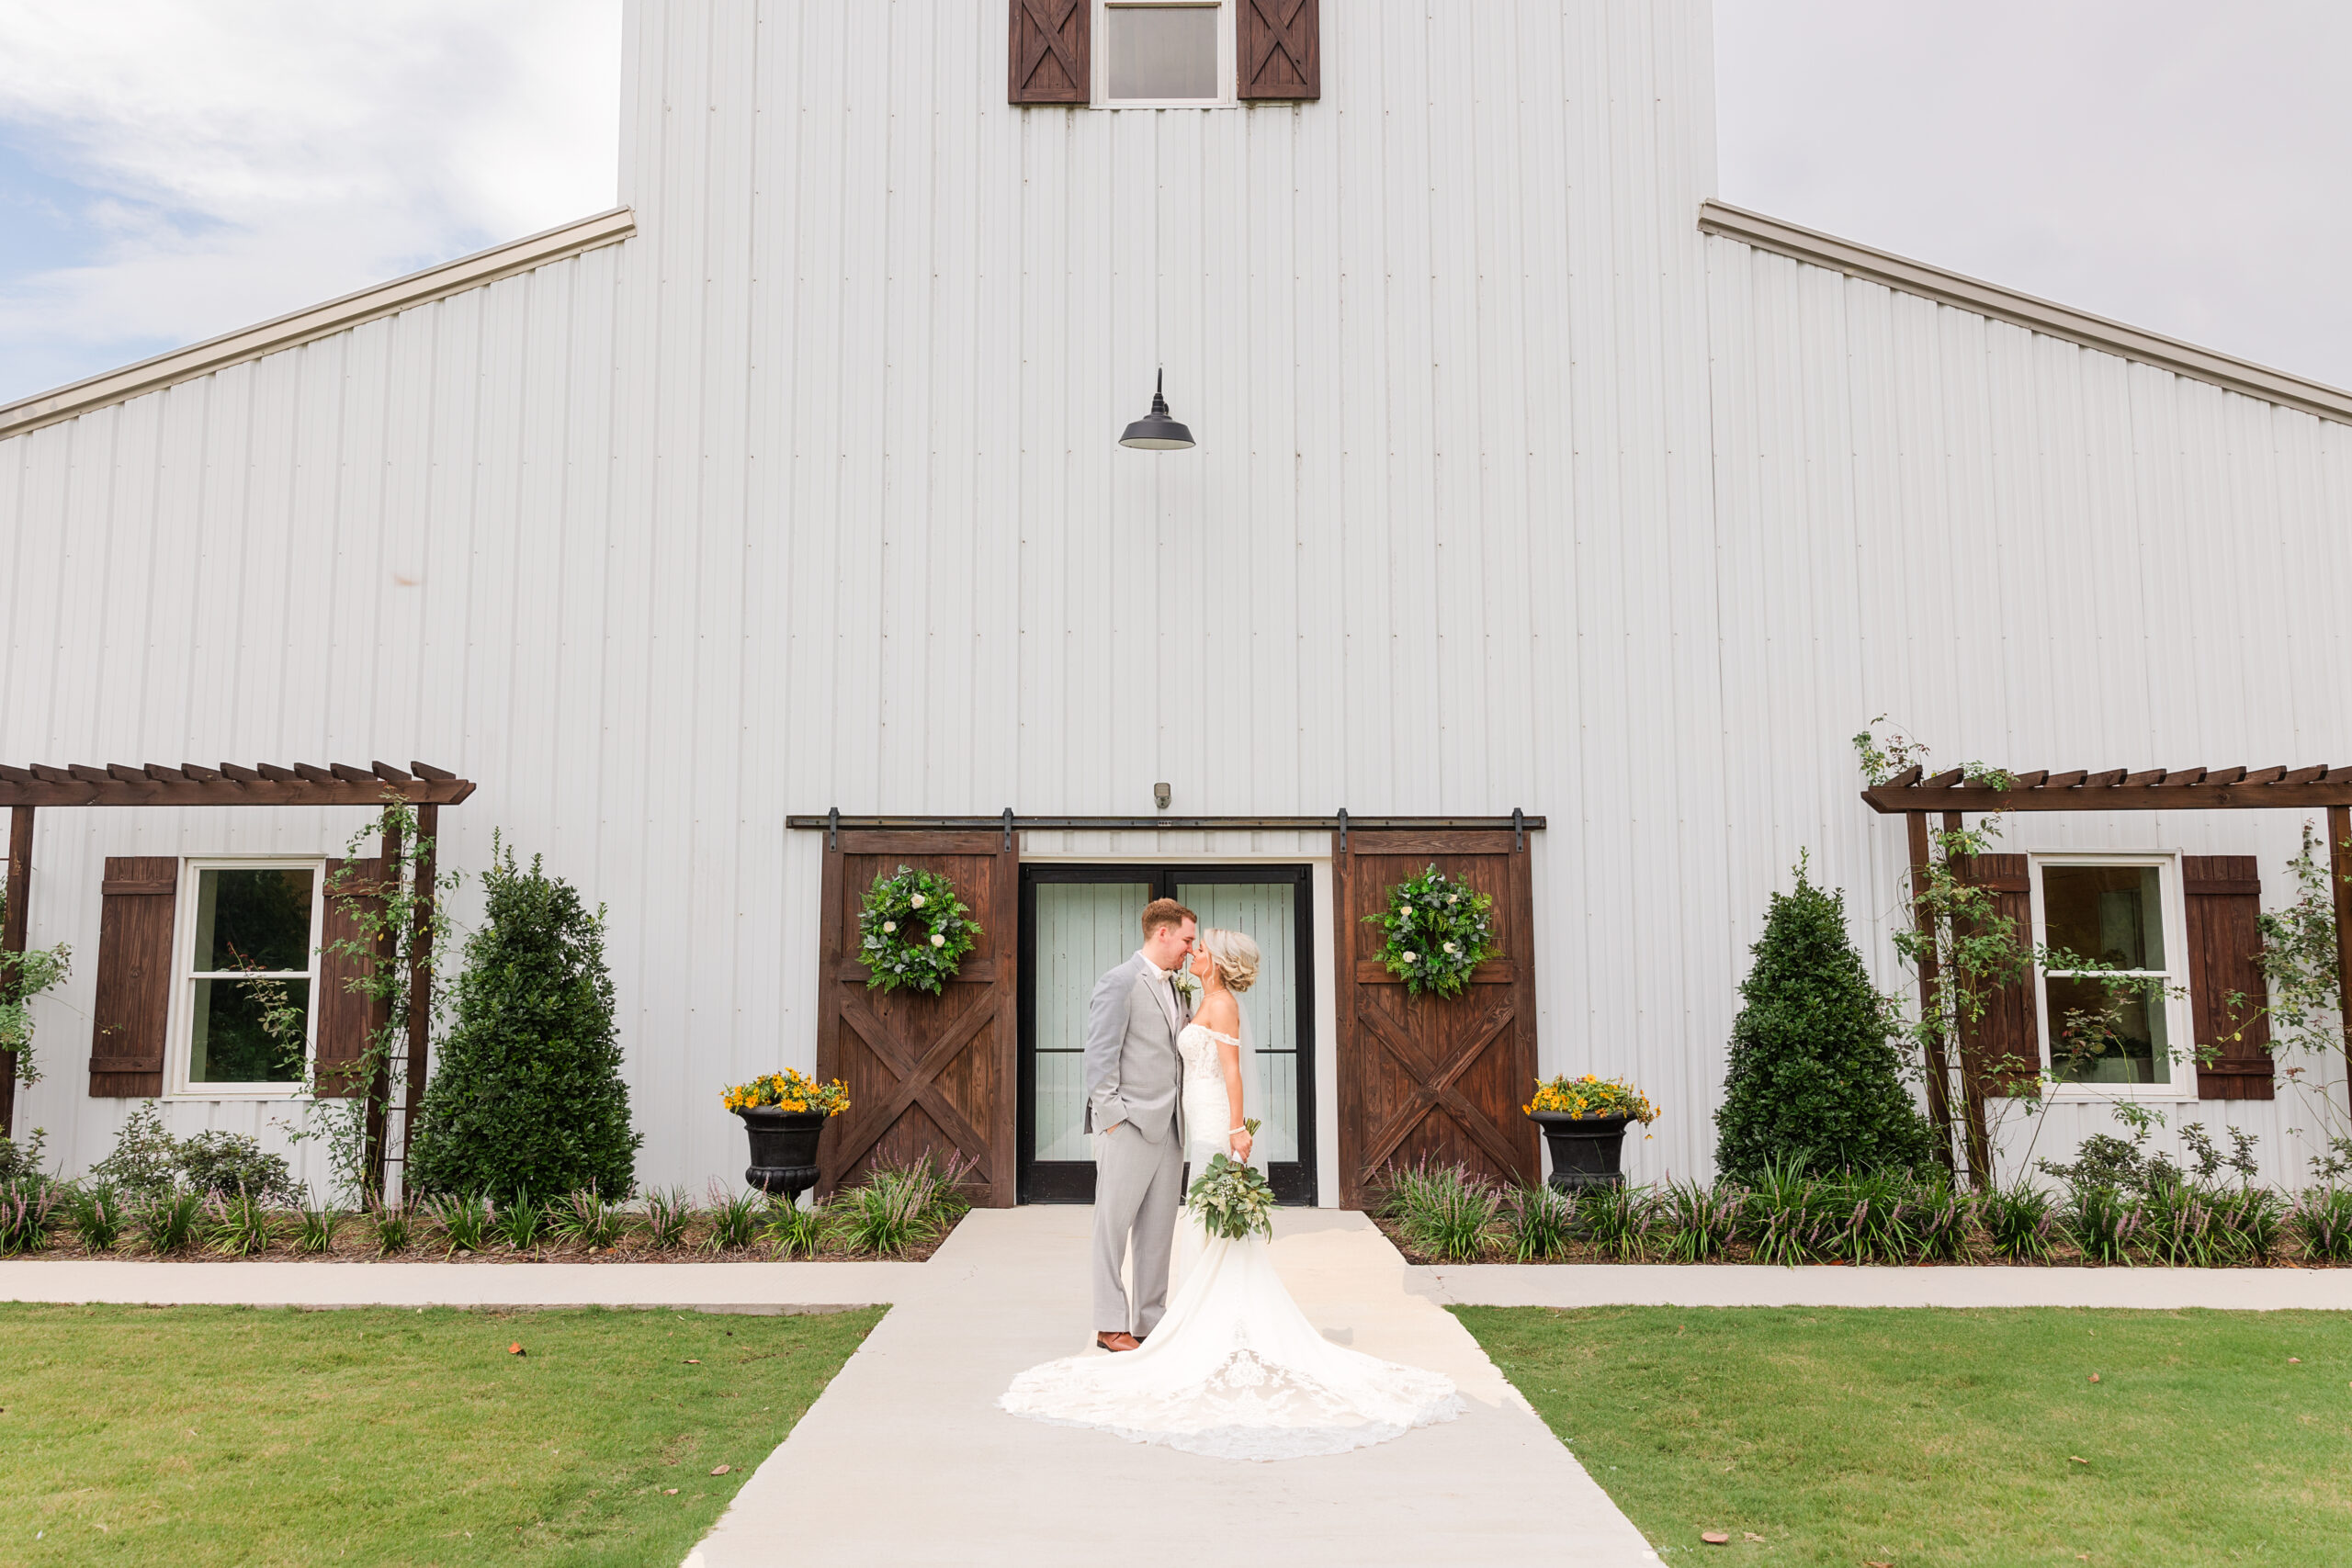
point(1232, 1200)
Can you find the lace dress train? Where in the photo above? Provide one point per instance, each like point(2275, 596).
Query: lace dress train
point(1235, 1370)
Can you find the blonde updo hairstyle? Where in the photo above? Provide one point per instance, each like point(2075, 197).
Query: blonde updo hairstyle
point(1235, 954)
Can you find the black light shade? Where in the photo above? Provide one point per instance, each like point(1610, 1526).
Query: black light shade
point(1155, 432)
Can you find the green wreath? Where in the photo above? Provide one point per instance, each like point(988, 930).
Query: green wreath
point(913, 932)
point(1439, 930)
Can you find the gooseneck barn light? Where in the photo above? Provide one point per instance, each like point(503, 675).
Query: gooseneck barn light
point(1155, 432)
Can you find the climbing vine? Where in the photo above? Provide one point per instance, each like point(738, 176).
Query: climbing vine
point(23, 977)
point(1968, 952)
point(349, 1106)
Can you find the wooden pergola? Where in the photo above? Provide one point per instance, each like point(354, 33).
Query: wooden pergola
point(1916, 795)
point(424, 787)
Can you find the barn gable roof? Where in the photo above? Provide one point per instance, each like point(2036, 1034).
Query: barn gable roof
point(316, 322)
point(2038, 315)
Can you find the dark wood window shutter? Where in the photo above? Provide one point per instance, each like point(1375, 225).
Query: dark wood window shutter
point(134, 1002)
point(2222, 897)
point(1049, 51)
point(2000, 1053)
point(1281, 48)
point(348, 1021)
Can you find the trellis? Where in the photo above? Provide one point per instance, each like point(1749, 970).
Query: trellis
point(1914, 794)
point(424, 787)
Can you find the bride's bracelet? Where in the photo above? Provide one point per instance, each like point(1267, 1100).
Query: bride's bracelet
point(1235, 1132)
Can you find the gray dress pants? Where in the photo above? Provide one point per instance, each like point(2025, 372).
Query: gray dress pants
point(1139, 1186)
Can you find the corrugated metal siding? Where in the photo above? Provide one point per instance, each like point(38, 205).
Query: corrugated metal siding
point(2023, 552)
point(809, 495)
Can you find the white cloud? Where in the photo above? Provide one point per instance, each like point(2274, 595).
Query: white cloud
point(2172, 163)
point(244, 158)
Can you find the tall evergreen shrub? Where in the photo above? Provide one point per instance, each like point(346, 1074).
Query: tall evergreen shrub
point(528, 1095)
point(1815, 1075)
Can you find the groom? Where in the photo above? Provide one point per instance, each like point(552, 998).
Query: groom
point(1133, 1074)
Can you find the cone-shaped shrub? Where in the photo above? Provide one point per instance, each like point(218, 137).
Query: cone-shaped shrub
point(528, 1096)
point(1815, 1077)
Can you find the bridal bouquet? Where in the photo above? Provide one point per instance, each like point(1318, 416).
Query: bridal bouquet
point(1231, 1200)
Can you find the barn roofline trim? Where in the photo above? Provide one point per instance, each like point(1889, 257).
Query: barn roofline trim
point(2038, 315)
point(316, 322)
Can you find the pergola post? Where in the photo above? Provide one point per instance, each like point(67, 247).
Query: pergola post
point(420, 977)
point(1972, 1085)
point(1939, 1070)
point(2339, 869)
point(380, 1080)
point(13, 939)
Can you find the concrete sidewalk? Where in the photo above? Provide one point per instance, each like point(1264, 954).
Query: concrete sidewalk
point(712, 1287)
point(1734, 1285)
point(906, 1460)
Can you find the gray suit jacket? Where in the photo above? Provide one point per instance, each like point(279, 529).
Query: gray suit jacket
point(1133, 1069)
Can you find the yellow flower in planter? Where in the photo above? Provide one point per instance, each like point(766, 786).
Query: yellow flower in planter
point(1606, 1097)
point(788, 1090)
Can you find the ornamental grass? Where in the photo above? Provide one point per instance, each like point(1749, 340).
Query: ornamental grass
point(1447, 1213)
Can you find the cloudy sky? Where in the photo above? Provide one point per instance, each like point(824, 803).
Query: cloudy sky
point(169, 171)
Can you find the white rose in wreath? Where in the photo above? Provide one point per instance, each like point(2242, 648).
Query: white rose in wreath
point(916, 900)
point(1412, 958)
point(938, 941)
point(1451, 948)
point(890, 927)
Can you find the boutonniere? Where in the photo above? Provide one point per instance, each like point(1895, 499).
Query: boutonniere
point(1188, 986)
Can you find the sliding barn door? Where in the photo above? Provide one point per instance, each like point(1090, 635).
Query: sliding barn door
point(924, 1073)
point(1431, 1077)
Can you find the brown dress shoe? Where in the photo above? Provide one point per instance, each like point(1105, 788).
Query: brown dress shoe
point(1116, 1339)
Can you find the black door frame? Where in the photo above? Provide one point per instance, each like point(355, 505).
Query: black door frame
point(1072, 1182)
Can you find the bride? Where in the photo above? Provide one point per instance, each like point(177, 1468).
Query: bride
point(1235, 1370)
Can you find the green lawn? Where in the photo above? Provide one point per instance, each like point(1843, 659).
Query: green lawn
point(192, 1436)
point(1913, 1437)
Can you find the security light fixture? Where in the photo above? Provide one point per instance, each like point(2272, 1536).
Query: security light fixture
point(1155, 432)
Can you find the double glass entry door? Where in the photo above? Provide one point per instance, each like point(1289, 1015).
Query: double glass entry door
point(1079, 921)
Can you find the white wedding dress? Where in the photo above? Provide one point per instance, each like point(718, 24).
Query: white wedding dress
point(1234, 1370)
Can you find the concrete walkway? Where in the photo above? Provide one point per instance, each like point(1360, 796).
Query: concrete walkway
point(1642, 1284)
point(712, 1287)
point(906, 1460)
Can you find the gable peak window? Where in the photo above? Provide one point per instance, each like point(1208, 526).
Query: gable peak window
point(1164, 53)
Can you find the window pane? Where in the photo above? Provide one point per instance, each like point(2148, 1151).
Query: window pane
point(231, 1042)
point(2105, 1034)
point(2109, 914)
point(254, 919)
point(1264, 910)
point(1163, 52)
point(1083, 928)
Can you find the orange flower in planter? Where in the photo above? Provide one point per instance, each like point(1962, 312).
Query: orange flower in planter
point(788, 1090)
point(1592, 1097)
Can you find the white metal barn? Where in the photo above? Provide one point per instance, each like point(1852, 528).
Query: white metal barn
point(1529, 480)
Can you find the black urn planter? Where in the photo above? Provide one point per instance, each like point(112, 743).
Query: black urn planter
point(1585, 1149)
point(784, 1149)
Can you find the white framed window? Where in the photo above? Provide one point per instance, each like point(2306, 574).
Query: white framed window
point(245, 972)
point(1164, 54)
point(2123, 913)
